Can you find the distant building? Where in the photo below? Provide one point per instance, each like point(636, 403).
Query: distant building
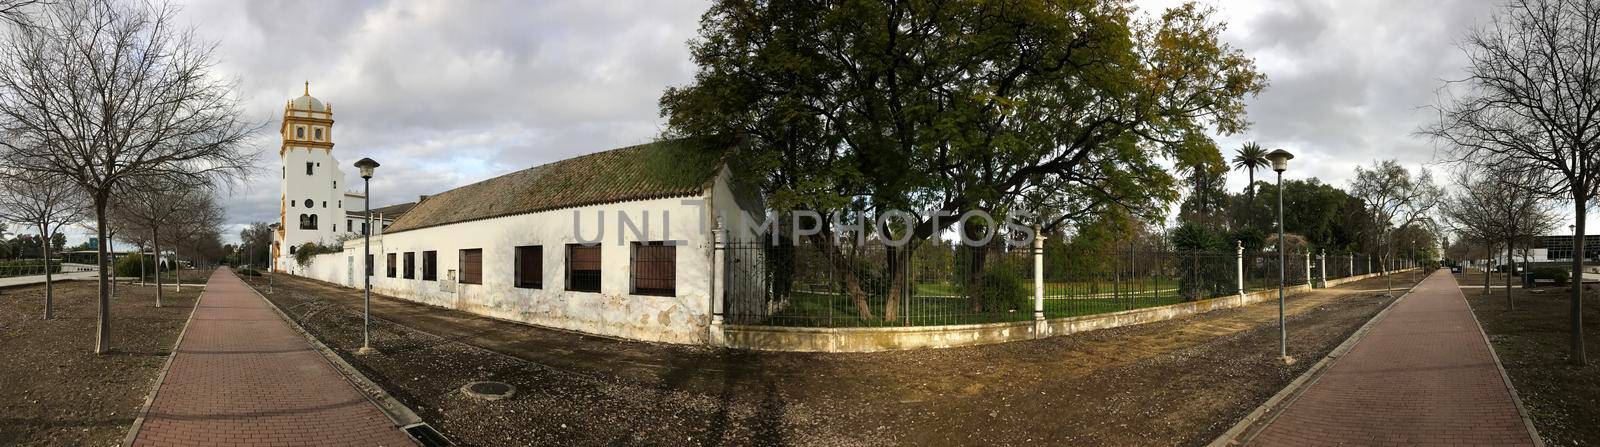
point(1555, 248)
point(313, 207)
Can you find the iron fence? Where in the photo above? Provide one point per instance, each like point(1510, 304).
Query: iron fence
point(27, 268)
point(812, 285)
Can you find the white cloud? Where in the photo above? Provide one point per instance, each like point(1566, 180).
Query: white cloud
point(447, 93)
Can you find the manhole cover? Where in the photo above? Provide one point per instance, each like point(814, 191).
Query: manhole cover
point(489, 390)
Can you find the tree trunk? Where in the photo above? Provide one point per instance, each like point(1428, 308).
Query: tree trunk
point(155, 245)
point(852, 282)
point(1580, 208)
point(897, 277)
point(1510, 270)
point(177, 271)
point(102, 343)
point(1488, 255)
point(49, 286)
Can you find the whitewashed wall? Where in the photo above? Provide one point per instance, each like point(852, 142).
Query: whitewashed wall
point(614, 311)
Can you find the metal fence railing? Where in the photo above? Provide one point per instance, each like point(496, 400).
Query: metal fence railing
point(934, 284)
point(27, 268)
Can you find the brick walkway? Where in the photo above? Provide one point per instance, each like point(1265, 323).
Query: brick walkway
point(1422, 376)
point(243, 377)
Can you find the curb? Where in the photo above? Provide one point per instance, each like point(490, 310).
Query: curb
point(1247, 428)
point(398, 413)
point(161, 378)
point(1538, 441)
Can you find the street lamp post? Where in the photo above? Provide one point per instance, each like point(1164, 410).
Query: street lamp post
point(367, 165)
point(1280, 162)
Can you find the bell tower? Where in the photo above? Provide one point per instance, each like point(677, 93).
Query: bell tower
point(311, 206)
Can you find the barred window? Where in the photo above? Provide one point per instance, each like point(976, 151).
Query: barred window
point(410, 265)
point(654, 268)
point(388, 267)
point(583, 268)
point(530, 267)
point(472, 266)
point(430, 265)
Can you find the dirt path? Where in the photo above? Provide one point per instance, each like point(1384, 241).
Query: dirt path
point(1176, 382)
point(1532, 342)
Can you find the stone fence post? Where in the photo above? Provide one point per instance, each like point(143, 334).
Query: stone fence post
point(716, 299)
point(1038, 274)
point(1322, 268)
point(1309, 281)
point(1238, 247)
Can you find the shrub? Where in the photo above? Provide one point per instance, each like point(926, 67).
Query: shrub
point(1557, 274)
point(999, 290)
point(308, 250)
point(129, 266)
point(248, 272)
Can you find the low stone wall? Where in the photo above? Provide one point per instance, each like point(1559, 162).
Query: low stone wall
point(775, 338)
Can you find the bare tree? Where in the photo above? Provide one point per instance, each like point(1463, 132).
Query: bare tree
point(102, 92)
point(1491, 207)
point(1531, 102)
point(45, 202)
point(256, 240)
point(195, 225)
point(148, 205)
point(1396, 199)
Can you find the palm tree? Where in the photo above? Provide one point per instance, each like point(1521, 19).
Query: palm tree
point(1250, 157)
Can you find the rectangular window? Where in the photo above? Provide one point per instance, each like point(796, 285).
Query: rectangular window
point(472, 266)
point(369, 265)
point(308, 168)
point(654, 268)
point(349, 223)
point(389, 266)
point(530, 267)
point(410, 265)
point(430, 265)
point(583, 268)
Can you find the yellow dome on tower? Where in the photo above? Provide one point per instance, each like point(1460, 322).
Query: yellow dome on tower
point(308, 102)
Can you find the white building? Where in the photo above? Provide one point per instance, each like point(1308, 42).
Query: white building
point(520, 246)
point(314, 207)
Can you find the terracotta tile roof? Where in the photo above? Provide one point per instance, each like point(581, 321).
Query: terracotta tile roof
point(394, 211)
point(670, 168)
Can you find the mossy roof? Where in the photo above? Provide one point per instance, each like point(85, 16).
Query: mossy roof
point(662, 169)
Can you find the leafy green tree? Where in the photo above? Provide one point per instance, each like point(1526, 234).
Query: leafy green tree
point(1320, 212)
point(1054, 107)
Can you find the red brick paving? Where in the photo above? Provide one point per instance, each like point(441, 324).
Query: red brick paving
point(1422, 376)
point(242, 377)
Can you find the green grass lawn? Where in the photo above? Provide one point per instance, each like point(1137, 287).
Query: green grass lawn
point(829, 310)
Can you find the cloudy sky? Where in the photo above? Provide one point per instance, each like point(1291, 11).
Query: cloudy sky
point(447, 93)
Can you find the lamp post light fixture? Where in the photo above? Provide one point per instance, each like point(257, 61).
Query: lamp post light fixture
point(367, 165)
point(1280, 162)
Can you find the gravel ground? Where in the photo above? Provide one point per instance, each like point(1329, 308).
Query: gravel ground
point(53, 389)
point(1532, 343)
point(1179, 382)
